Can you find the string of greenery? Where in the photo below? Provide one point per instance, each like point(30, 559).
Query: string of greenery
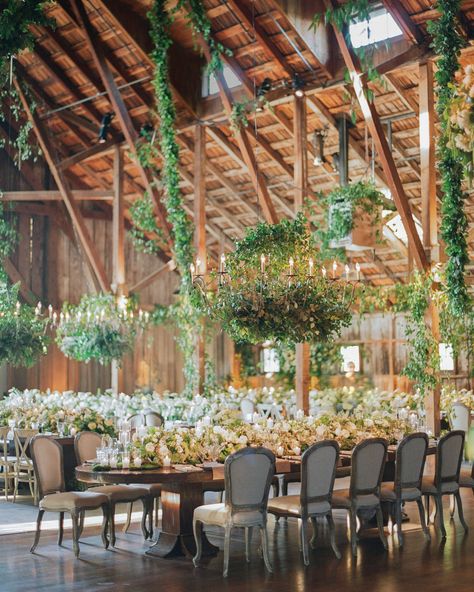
point(447, 43)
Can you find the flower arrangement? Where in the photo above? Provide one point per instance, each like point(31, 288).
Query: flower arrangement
point(450, 397)
point(271, 289)
point(99, 328)
point(23, 329)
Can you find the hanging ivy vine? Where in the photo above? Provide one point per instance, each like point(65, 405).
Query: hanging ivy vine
point(447, 44)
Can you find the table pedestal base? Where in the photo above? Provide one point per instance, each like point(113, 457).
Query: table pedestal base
point(176, 537)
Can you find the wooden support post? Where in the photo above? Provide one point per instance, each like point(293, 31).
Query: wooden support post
point(118, 252)
point(429, 215)
point(301, 182)
point(87, 245)
point(200, 233)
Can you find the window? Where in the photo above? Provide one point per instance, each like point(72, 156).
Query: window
point(380, 27)
point(270, 361)
point(446, 355)
point(210, 83)
point(396, 226)
point(350, 358)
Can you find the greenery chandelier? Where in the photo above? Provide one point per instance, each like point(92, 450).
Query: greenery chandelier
point(274, 287)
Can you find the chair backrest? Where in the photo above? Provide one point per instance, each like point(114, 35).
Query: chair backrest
point(368, 461)
point(449, 455)
point(247, 407)
point(4, 432)
point(318, 472)
point(136, 421)
point(22, 439)
point(410, 461)
point(85, 446)
point(47, 457)
point(152, 418)
point(248, 476)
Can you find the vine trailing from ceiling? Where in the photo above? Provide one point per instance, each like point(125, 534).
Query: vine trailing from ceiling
point(447, 43)
point(16, 18)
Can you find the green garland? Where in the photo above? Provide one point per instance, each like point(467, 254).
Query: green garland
point(182, 231)
point(447, 44)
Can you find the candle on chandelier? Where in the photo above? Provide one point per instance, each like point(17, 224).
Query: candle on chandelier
point(291, 263)
point(222, 264)
point(334, 269)
point(262, 263)
point(358, 271)
point(50, 311)
point(346, 271)
point(311, 264)
point(324, 272)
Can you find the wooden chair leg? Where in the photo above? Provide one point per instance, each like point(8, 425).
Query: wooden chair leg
point(353, 530)
point(266, 556)
point(81, 522)
point(460, 511)
point(197, 529)
point(61, 528)
point(128, 521)
point(314, 524)
point(112, 537)
point(424, 526)
point(304, 540)
point(439, 508)
point(105, 525)
point(227, 533)
point(332, 534)
point(248, 540)
point(157, 507)
point(382, 536)
point(398, 517)
point(452, 505)
point(75, 533)
point(145, 504)
point(38, 531)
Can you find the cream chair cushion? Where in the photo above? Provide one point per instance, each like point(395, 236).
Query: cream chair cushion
point(120, 493)
point(341, 499)
point(465, 479)
point(220, 515)
point(152, 489)
point(290, 504)
point(387, 493)
point(72, 500)
point(429, 488)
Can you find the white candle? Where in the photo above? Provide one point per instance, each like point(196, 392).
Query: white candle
point(358, 271)
point(291, 263)
point(297, 450)
point(50, 311)
point(324, 272)
point(222, 263)
point(167, 461)
point(346, 271)
point(125, 462)
point(334, 269)
point(311, 264)
point(262, 263)
point(280, 451)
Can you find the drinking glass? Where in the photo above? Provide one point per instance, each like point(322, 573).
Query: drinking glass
point(60, 426)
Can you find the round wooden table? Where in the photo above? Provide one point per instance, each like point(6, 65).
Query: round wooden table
point(181, 493)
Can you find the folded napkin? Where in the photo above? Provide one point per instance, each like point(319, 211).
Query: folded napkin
point(187, 468)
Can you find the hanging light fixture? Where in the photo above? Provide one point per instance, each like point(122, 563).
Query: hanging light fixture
point(319, 137)
point(297, 84)
point(105, 127)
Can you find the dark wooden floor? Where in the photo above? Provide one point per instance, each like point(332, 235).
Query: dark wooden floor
point(420, 566)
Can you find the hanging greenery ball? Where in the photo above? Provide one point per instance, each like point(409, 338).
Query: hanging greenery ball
point(100, 327)
point(23, 336)
point(276, 289)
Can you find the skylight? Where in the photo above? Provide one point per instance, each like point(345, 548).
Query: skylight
point(396, 226)
point(380, 27)
point(231, 79)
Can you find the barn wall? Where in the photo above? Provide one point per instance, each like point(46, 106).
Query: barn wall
point(55, 271)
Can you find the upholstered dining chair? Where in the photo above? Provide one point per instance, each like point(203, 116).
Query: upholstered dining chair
point(449, 454)
point(85, 446)
point(248, 475)
point(466, 479)
point(7, 463)
point(24, 471)
point(47, 457)
point(153, 419)
point(318, 472)
point(136, 420)
point(363, 496)
point(409, 466)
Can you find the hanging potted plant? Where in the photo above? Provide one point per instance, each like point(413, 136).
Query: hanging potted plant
point(353, 216)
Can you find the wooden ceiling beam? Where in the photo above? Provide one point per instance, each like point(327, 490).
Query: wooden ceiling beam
point(87, 245)
point(376, 130)
point(126, 123)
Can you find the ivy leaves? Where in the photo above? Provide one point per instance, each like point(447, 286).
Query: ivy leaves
point(447, 43)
